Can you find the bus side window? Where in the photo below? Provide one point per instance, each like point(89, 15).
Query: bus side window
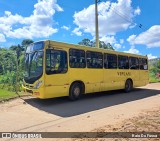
point(137, 63)
point(145, 63)
point(111, 61)
point(56, 61)
point(82, 62)
point(133, 63)
point(123, 62)
point(94, 59)
point(77, 58)
point(105, 61)
point(73, 62)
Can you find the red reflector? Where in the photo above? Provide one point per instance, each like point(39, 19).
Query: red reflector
point(36, 93)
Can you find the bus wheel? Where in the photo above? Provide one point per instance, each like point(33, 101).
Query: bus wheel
point(75, 91)
point(128, 86)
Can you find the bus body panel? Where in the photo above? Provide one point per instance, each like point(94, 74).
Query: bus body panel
point(56, 85)
point(95, 80)
point(144, 77)
point(110, 79)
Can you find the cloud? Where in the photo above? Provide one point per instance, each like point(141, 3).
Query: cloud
point(131, 39)
point(133, 25)
point(150, 38)
point(65, 27)
point(150, 56)
point(2, 38)
point(77, 32)
point(113, 17)
point(38, 24)
point(133, 50)
point(117, 46)
point(108, 39)
point(137, 11)
point(111, 39)
point(121, 41)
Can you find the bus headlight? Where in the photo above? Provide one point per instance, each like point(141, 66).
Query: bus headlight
point(39, 83)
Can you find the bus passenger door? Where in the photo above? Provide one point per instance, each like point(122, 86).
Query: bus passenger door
point(56, 78)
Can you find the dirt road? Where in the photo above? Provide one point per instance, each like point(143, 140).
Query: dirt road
point(106, 111)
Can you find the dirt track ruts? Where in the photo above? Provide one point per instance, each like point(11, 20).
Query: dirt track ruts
point(107, 111)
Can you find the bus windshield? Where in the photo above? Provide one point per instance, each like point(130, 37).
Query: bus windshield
point(33, 62)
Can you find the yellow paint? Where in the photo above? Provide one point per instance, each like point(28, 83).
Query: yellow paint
point(95, 80)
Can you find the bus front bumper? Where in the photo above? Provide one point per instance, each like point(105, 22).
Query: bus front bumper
point(33, 92)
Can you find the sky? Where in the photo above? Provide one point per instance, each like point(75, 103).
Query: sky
point(129, 25)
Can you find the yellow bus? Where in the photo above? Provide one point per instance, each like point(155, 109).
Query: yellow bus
point(55, 69)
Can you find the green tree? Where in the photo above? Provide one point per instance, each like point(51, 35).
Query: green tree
point(86, 42)
point(8, 68)
point(26, 42)
point(102, 44)
point(154, 68)
point(12, 66)
point(1, 69)
point(18, 50)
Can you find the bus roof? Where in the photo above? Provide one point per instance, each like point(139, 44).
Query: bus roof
point(76, 46)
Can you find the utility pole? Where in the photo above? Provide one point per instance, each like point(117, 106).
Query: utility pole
point(96, 23)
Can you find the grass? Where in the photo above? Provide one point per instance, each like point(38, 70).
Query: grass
point(153, 78)
point(7, 92)
point(4, 94)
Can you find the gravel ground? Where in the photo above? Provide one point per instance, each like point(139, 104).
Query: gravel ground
point(114, 111)
point(148, 121)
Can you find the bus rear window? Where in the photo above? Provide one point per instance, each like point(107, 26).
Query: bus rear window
point(143, 64)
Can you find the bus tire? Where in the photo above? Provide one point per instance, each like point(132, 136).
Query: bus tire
point(128, 86)
point(75, 91)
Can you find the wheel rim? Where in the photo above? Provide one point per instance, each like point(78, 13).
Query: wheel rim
point(76, 91)
point(128, 86)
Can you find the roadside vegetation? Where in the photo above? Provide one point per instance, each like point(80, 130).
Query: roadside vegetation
point(12, 67)
point(5, 94)
point(154, 72)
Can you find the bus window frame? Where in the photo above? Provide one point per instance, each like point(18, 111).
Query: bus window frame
point(50, 62)
point(96, 58)
point(137, 68)
point(141, 63)
point(125, 63)
point(108, 54)
point(84, 58)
